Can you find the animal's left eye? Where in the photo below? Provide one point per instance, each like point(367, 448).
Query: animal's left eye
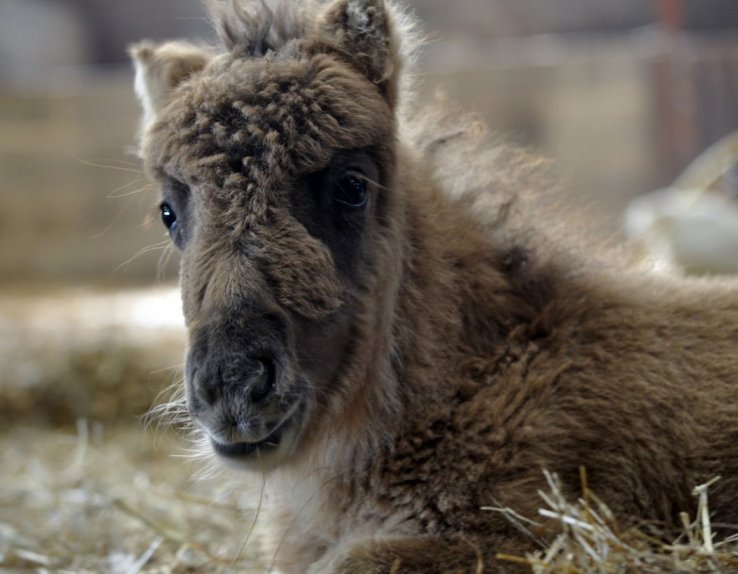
point(351, 191)
point(168, 217)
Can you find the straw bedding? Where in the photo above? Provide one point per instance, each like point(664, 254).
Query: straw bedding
point(85, 486)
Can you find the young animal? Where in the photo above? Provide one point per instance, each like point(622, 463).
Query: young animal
point(376, 324)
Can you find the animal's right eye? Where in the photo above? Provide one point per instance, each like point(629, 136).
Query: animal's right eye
point(351, 191)
point(168, 217)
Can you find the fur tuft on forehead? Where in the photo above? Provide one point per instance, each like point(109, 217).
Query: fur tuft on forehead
point(374, 36)
point(257, 27)
point(265, 123)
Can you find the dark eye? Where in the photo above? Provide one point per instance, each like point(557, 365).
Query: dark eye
point(351, 191)
point(168, 217)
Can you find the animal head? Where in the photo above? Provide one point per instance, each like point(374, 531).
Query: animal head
point(276, 160)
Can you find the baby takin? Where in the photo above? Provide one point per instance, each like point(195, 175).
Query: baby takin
point(386, 320)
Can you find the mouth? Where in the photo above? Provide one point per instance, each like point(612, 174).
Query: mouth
point(248, 449)
point(263, 453)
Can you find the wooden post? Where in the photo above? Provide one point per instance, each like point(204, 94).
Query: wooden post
point(671, 14)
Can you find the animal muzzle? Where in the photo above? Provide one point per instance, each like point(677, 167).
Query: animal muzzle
point(238, 378)
point(239, 387)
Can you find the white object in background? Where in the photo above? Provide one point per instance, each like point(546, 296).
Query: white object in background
point(691, 229)
point(687, 225)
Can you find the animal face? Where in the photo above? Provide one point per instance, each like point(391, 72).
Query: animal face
point(275, 163)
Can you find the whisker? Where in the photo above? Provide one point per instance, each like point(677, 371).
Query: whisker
point(104, 166)
point(140, 252)
point(126, 162)
point(169, 368)
point(161, 265)
point(253, 523)
point(115, 195)
point(120, 212)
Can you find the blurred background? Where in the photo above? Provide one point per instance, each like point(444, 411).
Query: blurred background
point(623, 94)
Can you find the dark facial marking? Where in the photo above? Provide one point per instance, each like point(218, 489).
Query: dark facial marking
point(334, 203)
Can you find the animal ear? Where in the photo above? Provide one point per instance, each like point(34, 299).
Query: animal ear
point(162, 67)
point(365, 32)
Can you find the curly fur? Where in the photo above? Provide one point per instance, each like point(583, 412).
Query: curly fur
point(449, 344)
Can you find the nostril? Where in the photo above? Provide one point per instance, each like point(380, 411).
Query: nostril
point(199, 395)
point(262, 379)
point(205, 390)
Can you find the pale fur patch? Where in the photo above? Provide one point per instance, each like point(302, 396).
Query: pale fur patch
point(160, 68)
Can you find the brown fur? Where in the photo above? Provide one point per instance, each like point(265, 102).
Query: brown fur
point(435, 350)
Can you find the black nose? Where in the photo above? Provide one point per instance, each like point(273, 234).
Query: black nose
point(215, 377)
point(236, 357)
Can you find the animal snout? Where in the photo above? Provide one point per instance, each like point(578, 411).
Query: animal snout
point(248, 378)
point(236, 366)
point(254, 374)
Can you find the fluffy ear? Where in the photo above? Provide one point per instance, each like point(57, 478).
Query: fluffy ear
point(160, 68)
point(366, 32)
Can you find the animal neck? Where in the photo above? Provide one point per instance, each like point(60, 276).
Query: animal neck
point(466, 291)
